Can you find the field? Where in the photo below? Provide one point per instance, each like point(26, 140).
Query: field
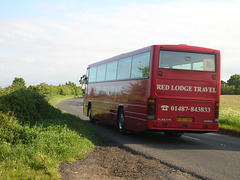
point(229, 114)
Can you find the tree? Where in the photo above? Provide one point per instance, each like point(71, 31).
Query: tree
point(232, 87)
point(72, 84)
point(229, 90)
point(19, 82)
point(75, 89)
point(83, 80)
point(223, 84)
point(234, 80)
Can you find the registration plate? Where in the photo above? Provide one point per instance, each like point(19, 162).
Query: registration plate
point(185, 119)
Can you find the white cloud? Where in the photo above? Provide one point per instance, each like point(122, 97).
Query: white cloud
point(44, 50)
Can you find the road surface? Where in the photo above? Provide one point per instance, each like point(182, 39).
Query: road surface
point(207, 156)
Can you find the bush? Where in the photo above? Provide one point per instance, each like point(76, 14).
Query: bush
point(10, 129)
point(49, 90)
point(26, 105)
point(34, 152)
point(35, 137)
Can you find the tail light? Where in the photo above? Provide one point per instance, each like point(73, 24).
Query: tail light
point(151, 109)
point(216, 112)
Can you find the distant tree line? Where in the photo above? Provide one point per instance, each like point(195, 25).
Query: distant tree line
point(69, 88)
point(232, 86)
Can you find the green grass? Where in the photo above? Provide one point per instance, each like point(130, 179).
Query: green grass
point(33, 149)
point(58, 98)
point(229, 114)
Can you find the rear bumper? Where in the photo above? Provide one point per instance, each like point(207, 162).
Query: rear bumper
point(182, 126)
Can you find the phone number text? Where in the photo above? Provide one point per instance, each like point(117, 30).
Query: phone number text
point(191, 109)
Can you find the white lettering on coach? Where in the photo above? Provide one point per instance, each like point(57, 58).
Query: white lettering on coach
point(162, 87)
point(204, 89)
point(165, 87)
point(198, 109)
point(181, 88)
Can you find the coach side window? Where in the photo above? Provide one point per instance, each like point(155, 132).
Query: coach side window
point(140, 65)
point(101, 72)
point(124, 68)
point(92, 74)
point(111, 72)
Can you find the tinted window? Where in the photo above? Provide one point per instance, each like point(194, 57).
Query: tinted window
point(101, 72)
point(187, 61)
point(124, 68)
point(92, 74)
point(140, 65)
point(111, 73)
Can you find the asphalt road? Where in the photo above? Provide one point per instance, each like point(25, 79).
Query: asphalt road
point(207, 156)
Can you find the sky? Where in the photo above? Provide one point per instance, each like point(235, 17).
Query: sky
point(53, 41)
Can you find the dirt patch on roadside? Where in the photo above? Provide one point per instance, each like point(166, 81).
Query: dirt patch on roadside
point(111, 161)
point(228, 132)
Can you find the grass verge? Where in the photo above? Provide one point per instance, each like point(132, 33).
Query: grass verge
point(58, 98)
point(33, 149)
point(229, 114)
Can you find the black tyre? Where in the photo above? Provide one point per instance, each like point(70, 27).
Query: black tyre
point(173, 134)
point(121, 121)
point(90, 115)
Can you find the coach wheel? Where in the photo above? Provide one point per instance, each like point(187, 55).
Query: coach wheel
point(90, 116)
point(121, 122)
